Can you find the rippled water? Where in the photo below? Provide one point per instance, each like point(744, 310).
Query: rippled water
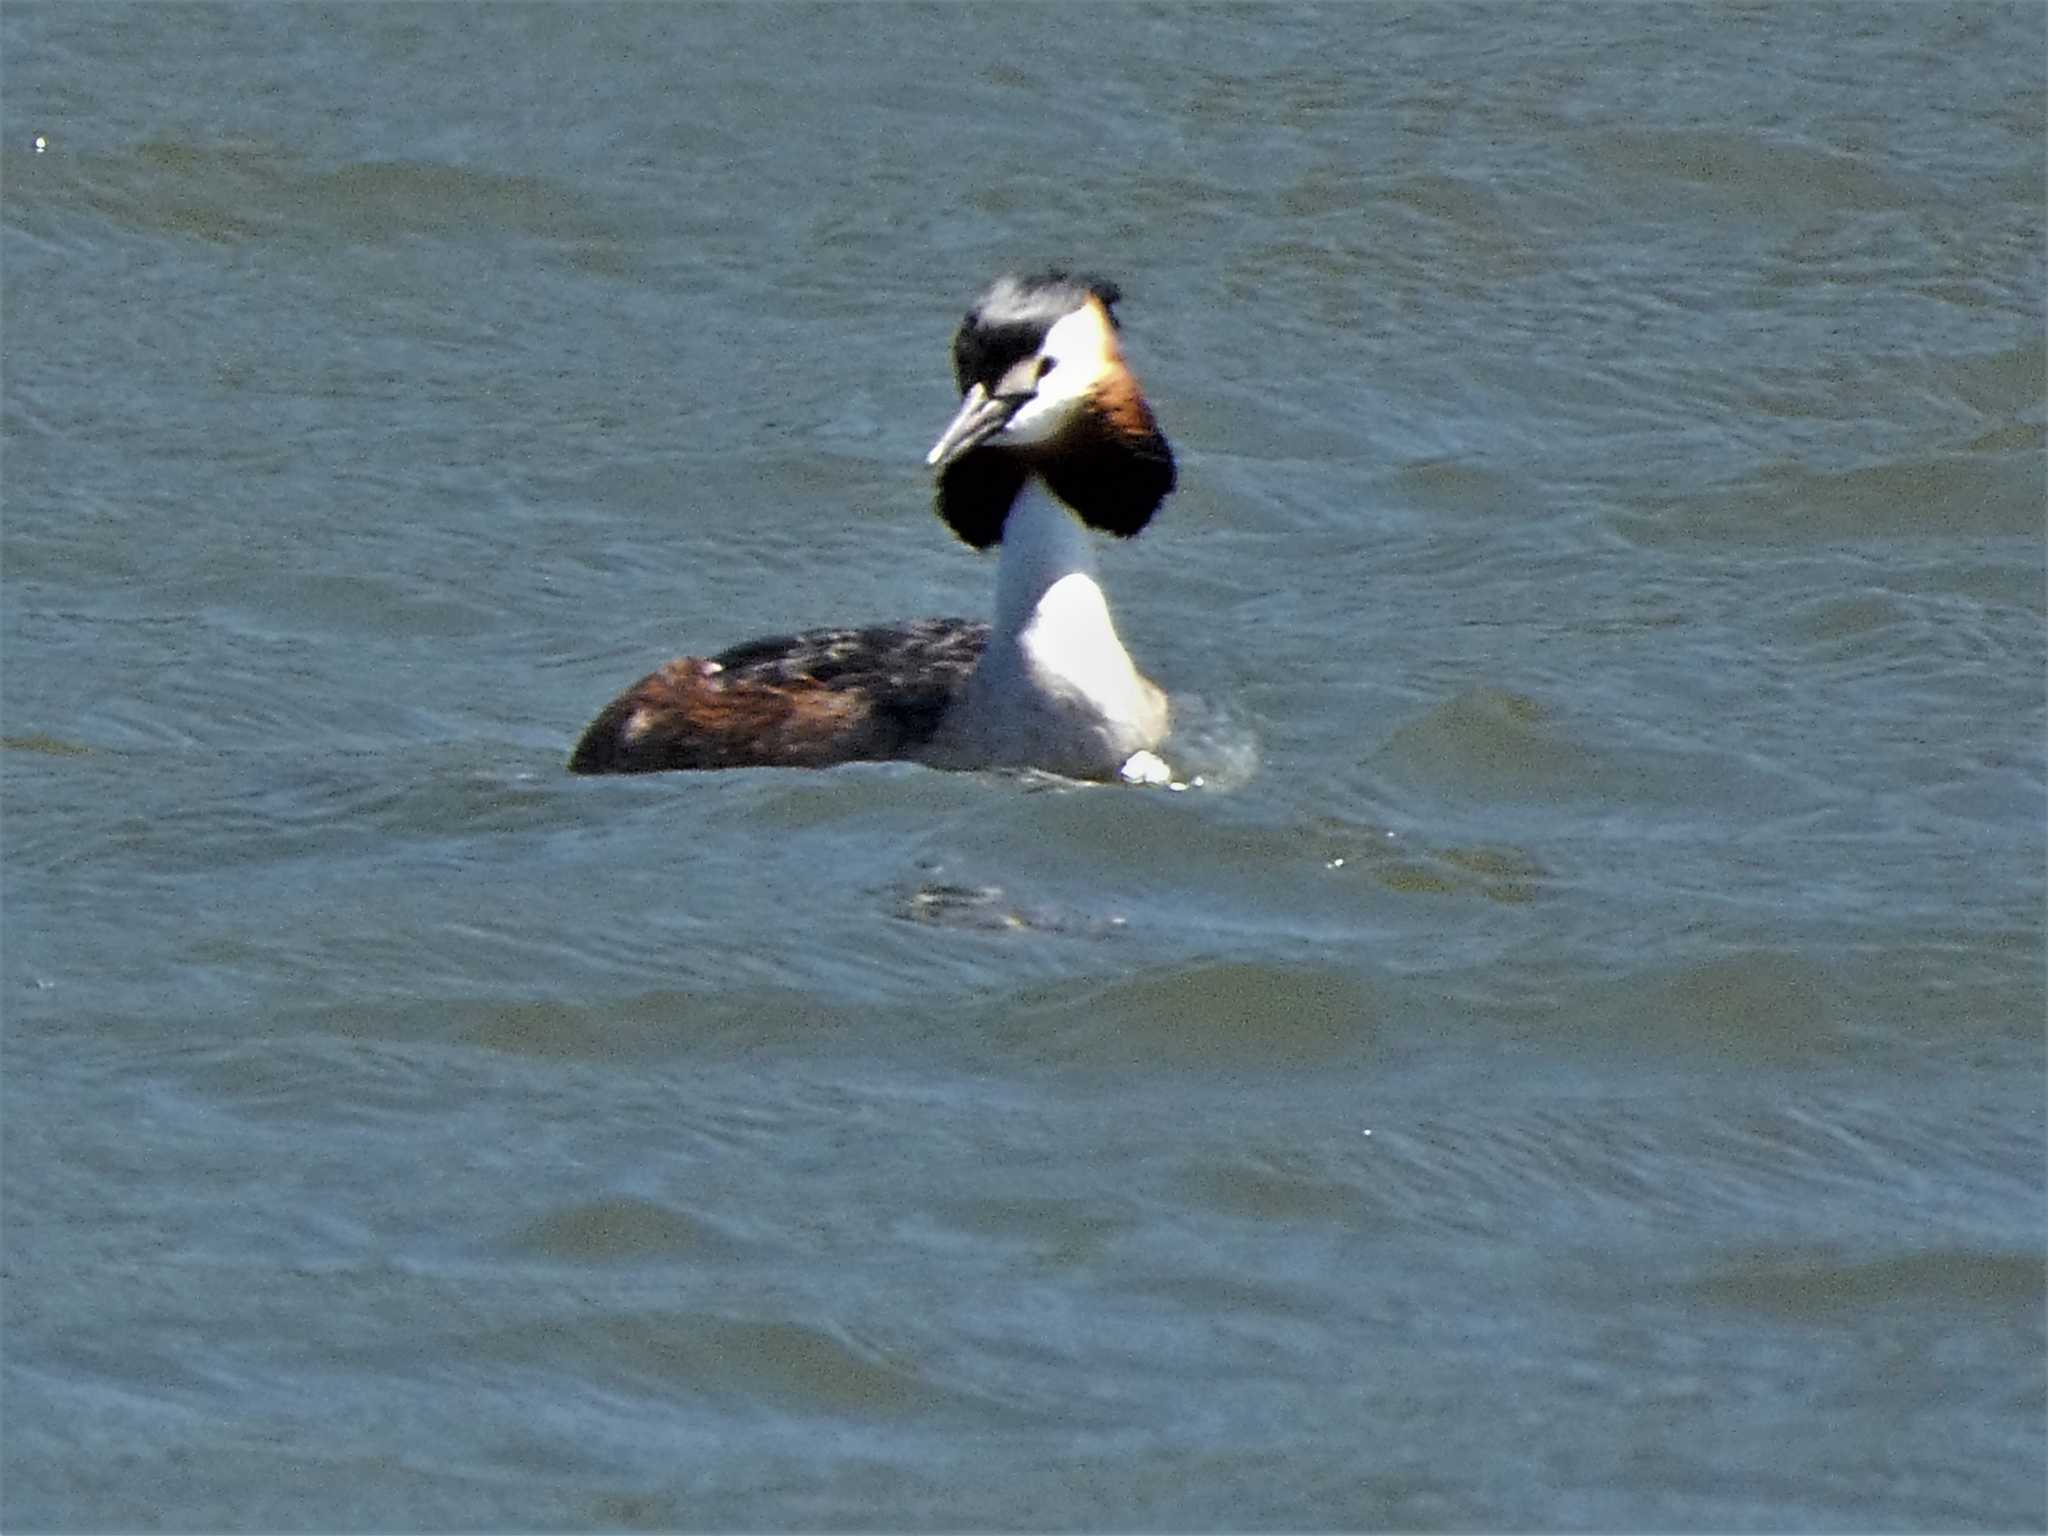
point(1577, 1064)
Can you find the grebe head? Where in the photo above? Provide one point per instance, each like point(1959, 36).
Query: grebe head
point(1045, 390)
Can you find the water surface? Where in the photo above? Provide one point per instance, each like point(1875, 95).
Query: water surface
point(1577, 1064)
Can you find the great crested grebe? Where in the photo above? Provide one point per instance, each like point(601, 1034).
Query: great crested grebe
point(1051, 428)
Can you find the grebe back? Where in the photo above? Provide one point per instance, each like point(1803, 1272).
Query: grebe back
point(1051, 428)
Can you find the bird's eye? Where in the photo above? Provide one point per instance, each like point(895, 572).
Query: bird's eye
point(1045, 365)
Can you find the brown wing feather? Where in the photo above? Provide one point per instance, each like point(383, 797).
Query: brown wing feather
point(793, 701)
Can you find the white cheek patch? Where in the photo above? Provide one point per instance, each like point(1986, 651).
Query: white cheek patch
point(1038, 419)
point(1083, 349)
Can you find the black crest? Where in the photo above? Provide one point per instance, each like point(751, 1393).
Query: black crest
point(1010, 319)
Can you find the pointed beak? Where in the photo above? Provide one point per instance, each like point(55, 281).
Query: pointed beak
point(980, 417)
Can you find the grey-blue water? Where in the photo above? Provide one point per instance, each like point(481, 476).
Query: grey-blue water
point(1578, 1063)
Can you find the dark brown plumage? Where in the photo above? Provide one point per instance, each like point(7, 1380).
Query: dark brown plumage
point(801, 701)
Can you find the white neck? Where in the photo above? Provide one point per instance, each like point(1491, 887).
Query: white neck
point(1044, 548)
point(1055, 688)
point(1052, 623)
